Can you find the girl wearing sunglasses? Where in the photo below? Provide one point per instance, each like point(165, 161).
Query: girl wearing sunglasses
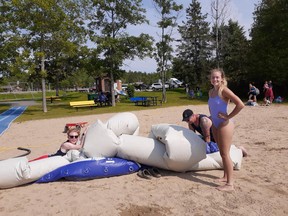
point(71, 143)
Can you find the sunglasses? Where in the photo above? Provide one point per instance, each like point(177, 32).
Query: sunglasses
point(71, 137)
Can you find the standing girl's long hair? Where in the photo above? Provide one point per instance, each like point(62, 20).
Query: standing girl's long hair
point(224, 81)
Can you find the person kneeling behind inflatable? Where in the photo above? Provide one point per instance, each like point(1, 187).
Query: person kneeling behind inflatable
point(202, 124)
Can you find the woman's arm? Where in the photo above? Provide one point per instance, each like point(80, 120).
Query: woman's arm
point(239, 105)
point(69, 146)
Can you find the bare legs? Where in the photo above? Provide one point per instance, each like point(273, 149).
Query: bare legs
point(223, 138)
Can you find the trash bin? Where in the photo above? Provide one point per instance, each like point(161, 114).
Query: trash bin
point(91, 96)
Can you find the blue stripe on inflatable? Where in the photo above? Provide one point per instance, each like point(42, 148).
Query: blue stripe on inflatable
point(91, 169)
point(7, 117)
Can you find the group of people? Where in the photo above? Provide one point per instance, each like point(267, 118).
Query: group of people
point(254, 91)
point(192, 94)
point(217, 128)
point(103, 99)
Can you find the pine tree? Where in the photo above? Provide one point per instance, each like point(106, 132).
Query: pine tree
point(169, 11)
point(194, 49)
point(233, 51)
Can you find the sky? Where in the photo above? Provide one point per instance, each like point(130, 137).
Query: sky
point(237, 10)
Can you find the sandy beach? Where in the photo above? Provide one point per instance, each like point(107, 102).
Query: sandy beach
point(261, 186)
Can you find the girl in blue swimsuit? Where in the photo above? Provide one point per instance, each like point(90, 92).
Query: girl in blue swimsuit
point(219, 97)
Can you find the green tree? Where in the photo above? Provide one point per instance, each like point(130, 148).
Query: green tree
point(9, 43)
point(169, 11)
point(47, 28)
point(107, 23)
point(130, 91)
point(233, 50)
point(137, 76)
point(194, 50)
point(268, 59)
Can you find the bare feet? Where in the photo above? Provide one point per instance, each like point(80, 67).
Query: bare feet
point(226, 187)
point(244, 151)
point(223, 179)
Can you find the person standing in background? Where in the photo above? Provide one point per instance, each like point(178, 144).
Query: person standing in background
point(252, 93)
point(271, 93)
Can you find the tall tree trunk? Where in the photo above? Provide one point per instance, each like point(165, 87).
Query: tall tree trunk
point(57, 83)
point(217, 32)
point(112, 89)
point(163, 79)
point(44, 105)
point(163, 69)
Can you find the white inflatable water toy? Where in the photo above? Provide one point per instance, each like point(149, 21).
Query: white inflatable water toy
point(169, 147)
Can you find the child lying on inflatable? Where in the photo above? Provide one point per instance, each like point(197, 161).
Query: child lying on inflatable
point(73, 142)
point(74, 165)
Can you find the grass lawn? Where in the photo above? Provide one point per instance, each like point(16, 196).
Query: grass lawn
point(61, 108)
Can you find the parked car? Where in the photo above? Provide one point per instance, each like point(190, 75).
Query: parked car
point(124, 87)
point(141, 87)
point(158, 86)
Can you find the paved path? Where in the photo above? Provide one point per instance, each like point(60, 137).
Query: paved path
point(7, 117)
point(20, 103)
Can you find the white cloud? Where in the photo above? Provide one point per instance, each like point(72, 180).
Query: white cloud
point(146, 65)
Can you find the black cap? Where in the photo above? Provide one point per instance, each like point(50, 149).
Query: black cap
point(187, 114)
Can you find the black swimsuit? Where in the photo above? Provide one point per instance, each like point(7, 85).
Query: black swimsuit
point(199, 130)
point(59, 152)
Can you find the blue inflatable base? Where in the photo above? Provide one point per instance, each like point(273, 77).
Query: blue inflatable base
point(91, 169)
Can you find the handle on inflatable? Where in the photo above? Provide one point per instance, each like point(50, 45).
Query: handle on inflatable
point(28, 151)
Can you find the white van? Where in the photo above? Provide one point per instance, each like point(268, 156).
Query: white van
point(175, 83)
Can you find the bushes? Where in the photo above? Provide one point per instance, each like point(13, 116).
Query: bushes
point(130, 91)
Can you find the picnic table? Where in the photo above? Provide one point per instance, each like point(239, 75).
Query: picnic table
point(145, 101)
point(53, 98)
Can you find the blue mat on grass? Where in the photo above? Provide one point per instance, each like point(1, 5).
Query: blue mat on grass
point(7, 117)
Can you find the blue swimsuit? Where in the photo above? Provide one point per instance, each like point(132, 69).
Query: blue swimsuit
point(216, 105)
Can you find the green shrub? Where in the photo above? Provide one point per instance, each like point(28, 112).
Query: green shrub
point(130, 91)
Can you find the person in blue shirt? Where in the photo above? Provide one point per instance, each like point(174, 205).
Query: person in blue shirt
point(102, 99)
